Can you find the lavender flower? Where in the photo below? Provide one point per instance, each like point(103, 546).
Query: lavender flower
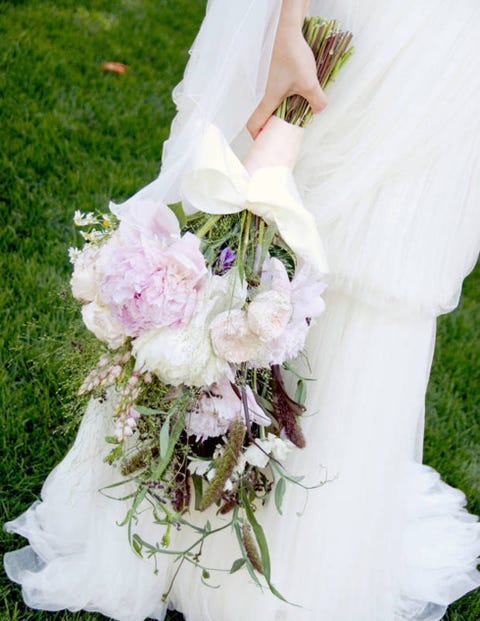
point(224, 261)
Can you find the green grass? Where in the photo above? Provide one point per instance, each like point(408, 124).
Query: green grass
point(74, 137)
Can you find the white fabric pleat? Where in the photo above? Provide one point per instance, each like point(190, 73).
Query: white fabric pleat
point(358, 551)
point(78, 557)
point(391, 172)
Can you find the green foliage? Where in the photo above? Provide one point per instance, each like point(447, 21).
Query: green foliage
point(74, 137)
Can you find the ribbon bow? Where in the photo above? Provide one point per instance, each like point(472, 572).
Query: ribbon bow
point(220, 184)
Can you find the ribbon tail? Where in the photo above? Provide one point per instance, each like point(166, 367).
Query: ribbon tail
point(274, 197)
point(218, 181)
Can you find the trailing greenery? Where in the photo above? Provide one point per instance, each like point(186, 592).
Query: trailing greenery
point(74, 137)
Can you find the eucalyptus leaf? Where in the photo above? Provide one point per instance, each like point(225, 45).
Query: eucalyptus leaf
point(137, 544)
point(198, 487)
point(279, 493)
point(238, 564)
point(164, 437)
point(301, 392)
point(111, 440)
point(176, 431)
point(144, 411)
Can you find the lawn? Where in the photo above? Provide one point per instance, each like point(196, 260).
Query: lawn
point(73, 137)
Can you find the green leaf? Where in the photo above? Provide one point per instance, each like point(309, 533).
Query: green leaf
point(164, 437)
point(238, 564)
point(198, 487)
point(178, 210)
point(114, 454)
point(279, 493)
point(267, 240)
point(176, 431)
point(137, 544)
point(142, 409)
point(248, 564)
point(301, 392)
point(111, 440)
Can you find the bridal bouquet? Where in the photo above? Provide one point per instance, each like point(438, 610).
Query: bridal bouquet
point(202, 317)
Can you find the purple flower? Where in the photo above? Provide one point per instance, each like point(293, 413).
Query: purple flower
point(224, 261)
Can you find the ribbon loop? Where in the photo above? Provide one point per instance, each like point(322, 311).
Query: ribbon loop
point(220, 184)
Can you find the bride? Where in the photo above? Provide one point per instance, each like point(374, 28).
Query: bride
point(390, 171)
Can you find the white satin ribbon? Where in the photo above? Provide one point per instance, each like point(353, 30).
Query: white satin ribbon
point(220, 184)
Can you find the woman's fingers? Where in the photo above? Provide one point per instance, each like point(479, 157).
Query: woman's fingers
point(313, 94)
point(315, 97)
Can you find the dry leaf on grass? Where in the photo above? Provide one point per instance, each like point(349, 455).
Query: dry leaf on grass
point(115, 67)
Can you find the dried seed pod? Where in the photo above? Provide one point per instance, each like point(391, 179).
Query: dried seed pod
point(251, 548)
point(226, 464)
point(286, 410)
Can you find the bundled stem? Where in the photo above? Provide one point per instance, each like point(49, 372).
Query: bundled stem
point(330, 46)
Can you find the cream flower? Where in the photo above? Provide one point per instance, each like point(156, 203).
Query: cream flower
point(232, 338)
point(97, 318)
point(84, 278)
point(269, 313)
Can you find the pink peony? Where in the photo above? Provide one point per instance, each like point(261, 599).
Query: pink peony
point(151, 281)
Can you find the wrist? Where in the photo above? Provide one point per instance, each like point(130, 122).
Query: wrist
point(292, 14)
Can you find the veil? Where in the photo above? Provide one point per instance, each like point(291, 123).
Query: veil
point(392, 159)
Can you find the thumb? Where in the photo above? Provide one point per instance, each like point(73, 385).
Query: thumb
point(261, 114)
point(315, 97)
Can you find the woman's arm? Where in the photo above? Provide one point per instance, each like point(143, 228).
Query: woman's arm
point(292, 68)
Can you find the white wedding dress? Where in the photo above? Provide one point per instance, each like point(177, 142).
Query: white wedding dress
point(391, 172)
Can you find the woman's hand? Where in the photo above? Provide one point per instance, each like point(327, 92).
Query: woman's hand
point(292, 69)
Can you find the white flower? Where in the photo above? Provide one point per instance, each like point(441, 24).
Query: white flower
point(84, 278)
point(97, 318)
point(184, 354)
point(240, 465)
point(269, 313)
point(272, 445)
point(279, 447)
point(73, 254)
point(255, 456)
point(95, 236)
point(84, 219)
point(199, 466)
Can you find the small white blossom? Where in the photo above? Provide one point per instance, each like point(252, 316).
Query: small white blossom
point(106, 220)
point(199, 466)
point(255, 456)
point(84, 219)
point(94, 236)
point(73, 254)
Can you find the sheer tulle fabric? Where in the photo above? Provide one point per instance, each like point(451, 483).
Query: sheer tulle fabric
point(390, 170)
